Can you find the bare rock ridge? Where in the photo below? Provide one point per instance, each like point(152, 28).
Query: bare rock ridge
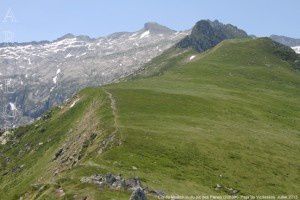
point(154, 27)
point(207, 34)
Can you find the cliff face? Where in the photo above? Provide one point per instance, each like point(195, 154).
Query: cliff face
point(207, 34)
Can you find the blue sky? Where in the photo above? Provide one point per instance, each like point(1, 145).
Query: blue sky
point(48, 20)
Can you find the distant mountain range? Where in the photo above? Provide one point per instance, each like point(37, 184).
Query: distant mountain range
point(291, 42)
point(288, 41)
point(44, 74)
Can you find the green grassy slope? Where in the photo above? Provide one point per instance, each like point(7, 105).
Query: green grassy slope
point(234, 112)
point(230, 116)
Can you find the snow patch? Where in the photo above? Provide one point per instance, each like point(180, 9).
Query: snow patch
point(12, 106)
point(55, 80)
point(145, 34)
point(55, 77)
point(296, 49)
point(132, 37)
point(83, 54)
point(192, 57)
point(68, 56)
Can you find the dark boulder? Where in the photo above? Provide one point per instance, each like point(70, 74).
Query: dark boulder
point(138, 194)
point(110, 179)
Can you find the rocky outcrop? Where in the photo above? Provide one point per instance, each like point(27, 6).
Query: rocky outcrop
point(117, 182)
point(228, 190)
point(207, 34)
point(113, 181)
point(154, 27)
point(5, 137)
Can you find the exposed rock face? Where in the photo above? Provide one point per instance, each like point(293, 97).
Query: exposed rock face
point(113, 181)
point(36, 76)
point(207, 34)
point(117, 182)
point(157, 28)
point(288, 41)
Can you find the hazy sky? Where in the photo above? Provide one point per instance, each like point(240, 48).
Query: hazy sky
point(49, 19)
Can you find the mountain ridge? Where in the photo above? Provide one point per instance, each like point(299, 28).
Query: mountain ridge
point(196, 127)
point(206, 34)
point(157, 28)
point(154, 26)
point(288, 41)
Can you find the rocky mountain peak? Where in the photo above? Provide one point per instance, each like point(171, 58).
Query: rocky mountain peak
point(66, 36)
point(157, 28)
point(207, 34)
